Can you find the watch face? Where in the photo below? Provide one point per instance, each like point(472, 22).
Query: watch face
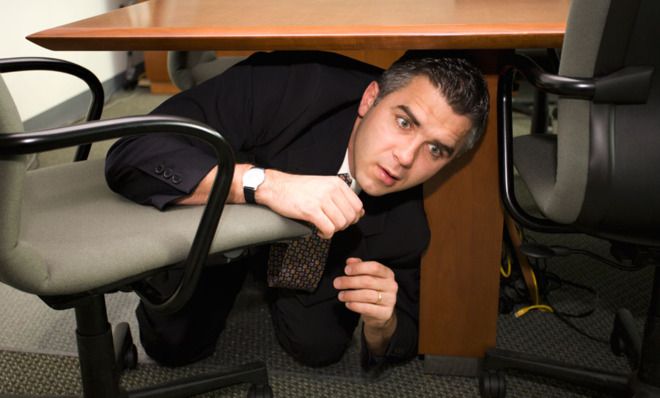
point(253, 177)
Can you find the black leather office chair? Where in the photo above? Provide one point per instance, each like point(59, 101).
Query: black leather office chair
point(600, 173)
point(66, 237)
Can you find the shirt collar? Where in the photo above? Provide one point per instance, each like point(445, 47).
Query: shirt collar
point(344, 169)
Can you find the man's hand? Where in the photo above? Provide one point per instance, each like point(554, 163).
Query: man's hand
point(369, 288)
point(325, 201)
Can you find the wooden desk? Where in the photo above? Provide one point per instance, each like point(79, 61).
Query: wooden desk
point(459, 289)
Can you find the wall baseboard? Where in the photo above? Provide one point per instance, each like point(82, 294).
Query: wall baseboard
point(75, 109)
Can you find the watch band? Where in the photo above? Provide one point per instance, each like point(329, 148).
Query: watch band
point(252, 178)
point(248, 192)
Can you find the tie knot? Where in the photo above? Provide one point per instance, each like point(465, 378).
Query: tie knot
point(346, 178)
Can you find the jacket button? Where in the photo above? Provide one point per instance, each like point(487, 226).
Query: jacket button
point(159, 169)
point(176, 178)
point(168, 173)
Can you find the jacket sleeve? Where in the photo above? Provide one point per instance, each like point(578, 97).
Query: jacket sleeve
point(404, 341)
point(259, 106)
point(402, 252)
point(156, 169)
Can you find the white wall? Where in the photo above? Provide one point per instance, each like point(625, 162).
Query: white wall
point(36, 92)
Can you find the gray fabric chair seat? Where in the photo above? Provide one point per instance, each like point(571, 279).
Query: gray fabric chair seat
point(535, 157)
point(82, 236)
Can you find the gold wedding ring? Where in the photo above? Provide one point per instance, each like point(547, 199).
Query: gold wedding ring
point(380, 298)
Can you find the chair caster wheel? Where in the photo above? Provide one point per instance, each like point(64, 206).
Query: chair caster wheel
point(260, 391)
point(492, 384)
point(617, 345)
point(625, 339)
point(126, 355)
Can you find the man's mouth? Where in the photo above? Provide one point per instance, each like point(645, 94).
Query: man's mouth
point(388, 178)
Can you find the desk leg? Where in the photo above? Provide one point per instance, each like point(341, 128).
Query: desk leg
point(460, 270)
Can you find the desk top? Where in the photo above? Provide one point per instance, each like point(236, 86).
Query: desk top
point(316, 24)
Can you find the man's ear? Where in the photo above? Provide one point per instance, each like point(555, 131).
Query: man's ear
point(368, 98)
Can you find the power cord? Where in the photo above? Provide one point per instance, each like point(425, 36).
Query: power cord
point(567, 317)
point(551, 281)
point(543, 251)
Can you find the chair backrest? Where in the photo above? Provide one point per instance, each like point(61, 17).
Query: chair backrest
point(584, 29)
point(12, 174)
point(10, 120)
point(608, 155)
point(187, 69)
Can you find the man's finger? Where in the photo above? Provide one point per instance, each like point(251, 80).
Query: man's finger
point(352, 200)
point(369, 268)
point(377, 312)
point(336, 215)
point(367, 296)
point(351, 214)
point(326, 228)
point(359, 282)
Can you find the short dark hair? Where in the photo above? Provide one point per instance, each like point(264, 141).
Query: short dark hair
point(462, 85)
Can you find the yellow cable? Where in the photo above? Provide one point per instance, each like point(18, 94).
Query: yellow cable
point(506, 273)
point(540, 307)
point(537, 301)
point(536, 298)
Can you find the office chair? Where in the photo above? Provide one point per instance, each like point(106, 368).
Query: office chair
point(598, 175)
point(537, 106)
point(67, 238)
point(190, 68)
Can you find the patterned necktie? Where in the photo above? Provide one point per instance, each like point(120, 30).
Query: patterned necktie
point(299, 264)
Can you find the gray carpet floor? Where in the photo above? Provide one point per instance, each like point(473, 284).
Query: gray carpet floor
point(37, 345)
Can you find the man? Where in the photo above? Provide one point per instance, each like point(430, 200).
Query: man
point(297, 119)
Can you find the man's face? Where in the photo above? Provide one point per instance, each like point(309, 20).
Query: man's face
point(405, 138)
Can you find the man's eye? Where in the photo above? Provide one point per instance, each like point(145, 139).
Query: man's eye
point(435, 150)
point(403, 122)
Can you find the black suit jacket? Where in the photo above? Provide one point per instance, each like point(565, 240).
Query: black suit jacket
point(292, 111)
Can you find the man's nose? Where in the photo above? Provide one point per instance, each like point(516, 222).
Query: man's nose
point(406, 152)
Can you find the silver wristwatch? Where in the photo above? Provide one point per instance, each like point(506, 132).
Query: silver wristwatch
point(252, 178)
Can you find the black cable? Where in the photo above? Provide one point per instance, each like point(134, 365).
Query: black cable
point(604, 260)
point(545, 279)
point(580, 331)
point(561, 282)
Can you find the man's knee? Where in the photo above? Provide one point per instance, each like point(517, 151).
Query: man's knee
point(316, 351)
point(191, 333)
point(314, 342)
point(173, 346)
point(176, 353)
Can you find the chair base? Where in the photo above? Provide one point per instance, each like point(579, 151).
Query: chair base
point(100, 366)
point(491, 383)
point(254, 373)
point(643, 355)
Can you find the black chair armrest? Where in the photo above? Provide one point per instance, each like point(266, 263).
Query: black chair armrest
point(629, 85)
point(505, 148)
point(30, 142)
point(552, 83)
point(21, 64)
